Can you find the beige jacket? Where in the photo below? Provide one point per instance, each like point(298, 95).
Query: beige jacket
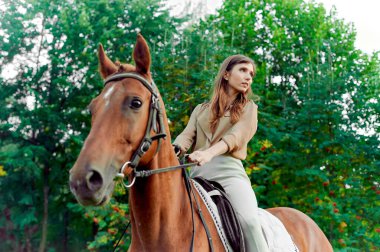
point(236, 136)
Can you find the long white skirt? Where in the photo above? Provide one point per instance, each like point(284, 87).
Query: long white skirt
point(230, 173)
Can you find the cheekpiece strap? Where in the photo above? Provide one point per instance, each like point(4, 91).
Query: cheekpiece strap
point(155, 121)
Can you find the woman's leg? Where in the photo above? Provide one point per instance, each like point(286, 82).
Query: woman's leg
point(229, 172)
point(244, 202)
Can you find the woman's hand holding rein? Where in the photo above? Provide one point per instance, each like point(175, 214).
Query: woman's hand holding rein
point(202, 157)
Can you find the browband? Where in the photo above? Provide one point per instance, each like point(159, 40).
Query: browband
point(150, 86)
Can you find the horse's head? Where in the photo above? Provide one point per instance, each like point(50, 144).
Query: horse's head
point(119, 120)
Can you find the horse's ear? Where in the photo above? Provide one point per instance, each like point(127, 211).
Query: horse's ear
point(141, 55)
point(106, 66)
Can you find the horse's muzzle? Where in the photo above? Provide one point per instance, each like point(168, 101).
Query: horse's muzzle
point(87, 186)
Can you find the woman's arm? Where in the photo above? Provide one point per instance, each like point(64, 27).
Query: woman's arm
point(202, 157)
point(239, 135)
point(243, 130)
point(186, 139)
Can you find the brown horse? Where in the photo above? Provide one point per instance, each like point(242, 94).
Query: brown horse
point(159, 205)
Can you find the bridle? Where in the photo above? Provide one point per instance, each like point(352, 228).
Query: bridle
point(156, 124)
point(155, 121)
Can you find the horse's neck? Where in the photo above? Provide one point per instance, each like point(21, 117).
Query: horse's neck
point(152, 190)
point(159, 201)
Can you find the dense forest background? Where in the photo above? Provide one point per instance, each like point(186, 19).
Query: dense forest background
point(316, 149)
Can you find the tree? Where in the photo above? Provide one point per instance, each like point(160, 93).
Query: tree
point(317, 141)
point(316, 92)
point(44, 118)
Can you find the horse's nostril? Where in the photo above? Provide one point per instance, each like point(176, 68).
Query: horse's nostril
point(94, 180)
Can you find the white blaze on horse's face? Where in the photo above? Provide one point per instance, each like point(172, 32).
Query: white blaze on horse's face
point(119, 117)
point(107, 95)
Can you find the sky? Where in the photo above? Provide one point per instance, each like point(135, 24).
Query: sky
point(364, 14)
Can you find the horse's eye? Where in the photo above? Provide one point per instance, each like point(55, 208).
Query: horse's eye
point(135, 103)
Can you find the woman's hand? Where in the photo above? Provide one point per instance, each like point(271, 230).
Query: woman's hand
point(200, 157)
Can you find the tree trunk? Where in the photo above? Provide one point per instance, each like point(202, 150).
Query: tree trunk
point(66, 233)
point(28, 243)
point(45, 214)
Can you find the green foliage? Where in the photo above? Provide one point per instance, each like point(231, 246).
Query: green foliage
point(44, 119)
point(316, 149)
point(313, 87)
point(108, 224)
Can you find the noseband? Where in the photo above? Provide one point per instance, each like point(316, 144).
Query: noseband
point(155, 121)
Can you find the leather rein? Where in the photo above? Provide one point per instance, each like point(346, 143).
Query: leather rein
point(156, 124)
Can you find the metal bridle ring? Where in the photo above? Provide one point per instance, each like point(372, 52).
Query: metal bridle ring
point(124, 166)
point(131, 184)
point(121, 175)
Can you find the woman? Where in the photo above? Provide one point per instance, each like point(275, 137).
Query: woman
point(219, 132)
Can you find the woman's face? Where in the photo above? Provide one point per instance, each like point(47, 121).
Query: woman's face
point(239, 78)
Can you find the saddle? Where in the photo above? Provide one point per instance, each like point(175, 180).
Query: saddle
point(227, 214)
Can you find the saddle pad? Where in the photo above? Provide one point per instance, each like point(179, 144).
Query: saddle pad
point(213, 210)
point(230, 221)
point(275, 233)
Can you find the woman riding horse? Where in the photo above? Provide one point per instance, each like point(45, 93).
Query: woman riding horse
point(127, 130)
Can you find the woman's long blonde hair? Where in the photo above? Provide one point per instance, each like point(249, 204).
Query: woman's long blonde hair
point(219, 99)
